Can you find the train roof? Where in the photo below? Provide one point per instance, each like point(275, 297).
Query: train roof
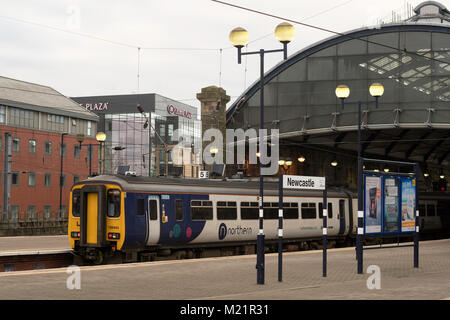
point(217, 186)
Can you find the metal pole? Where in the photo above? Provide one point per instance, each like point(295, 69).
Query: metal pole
point(324, 230)
point(359, 241)
point(61, 172)
point(260, 237)
point(90, 160)
point(280, 229)
point(416, 234)
point(100, 156)
point(7, 175)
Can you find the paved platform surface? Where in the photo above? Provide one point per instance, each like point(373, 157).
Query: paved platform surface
point(234, 278)
point(33, 244)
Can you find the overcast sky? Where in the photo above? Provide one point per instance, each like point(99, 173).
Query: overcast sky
point(40, 41)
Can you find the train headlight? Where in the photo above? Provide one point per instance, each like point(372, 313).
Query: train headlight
point(75, 234)
point(114, 236)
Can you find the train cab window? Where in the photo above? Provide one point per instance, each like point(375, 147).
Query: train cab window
point(290, 210)
point(330, 210)
point(179, 216)
point(153, 209)
point(431, 210)
point(76, 203)
point(309, 211)
point(226, 210)
point(249, 210)
point(201, 210)
point(113, 203)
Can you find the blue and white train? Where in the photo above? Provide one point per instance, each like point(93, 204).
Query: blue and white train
point(140, 218)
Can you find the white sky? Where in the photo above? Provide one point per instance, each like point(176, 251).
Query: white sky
point(80, 66)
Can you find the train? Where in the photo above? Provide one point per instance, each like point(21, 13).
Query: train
point(133, 218)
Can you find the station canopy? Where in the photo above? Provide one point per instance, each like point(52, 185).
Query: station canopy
point(410, 59)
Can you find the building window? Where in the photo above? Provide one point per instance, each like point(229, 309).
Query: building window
point(15, 178)
point(16, 145)
point(2, 114)
point(47, 211)
point(14, 212)
point(48, 147)
point(63, 150)
point(76, 151)
point(32, 146)
point(63, 180)
point(76, 178)
point(31, 179)
point(31, 212)
point(89, 127)
point(47, 179)
point(54, 118)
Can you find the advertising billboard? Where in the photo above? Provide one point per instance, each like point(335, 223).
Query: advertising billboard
point(373, 205)
point(389, 204)
point(408, 204)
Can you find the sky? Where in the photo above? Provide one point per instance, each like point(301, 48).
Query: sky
point(84, 48)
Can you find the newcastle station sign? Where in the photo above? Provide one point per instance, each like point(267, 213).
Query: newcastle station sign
point(303, 182)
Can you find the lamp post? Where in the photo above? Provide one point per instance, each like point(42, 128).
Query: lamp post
point(343, 92)
point(101, 137)
point(80, 139)
point(239, 37)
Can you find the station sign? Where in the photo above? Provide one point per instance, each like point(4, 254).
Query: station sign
point(303, 182)
point(389, 204)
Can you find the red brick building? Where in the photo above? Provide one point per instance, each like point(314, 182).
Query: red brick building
point(34, 120)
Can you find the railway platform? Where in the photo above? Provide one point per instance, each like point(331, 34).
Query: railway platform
point(234, 278)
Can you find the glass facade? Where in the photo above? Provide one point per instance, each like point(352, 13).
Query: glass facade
point(146, 149)
point(302, 96)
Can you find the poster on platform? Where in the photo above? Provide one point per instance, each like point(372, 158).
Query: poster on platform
point(408, 204)
point(391, 204)
point(372, 206)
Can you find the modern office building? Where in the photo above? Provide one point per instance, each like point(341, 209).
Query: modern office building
point(411, 59)
point(142, 142)
point(38, 145)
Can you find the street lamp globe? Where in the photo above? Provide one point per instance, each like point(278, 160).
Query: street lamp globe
point(101, 137)
point(284, 32)
point(239, 37)
point(342, 91)
point(376, 90)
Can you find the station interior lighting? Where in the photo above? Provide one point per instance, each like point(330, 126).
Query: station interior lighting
point(334, 163)
point(281, 162)
point(301, 159)
point(376, 90)
point(426, 174)
point(342, 91)
point(386, 169)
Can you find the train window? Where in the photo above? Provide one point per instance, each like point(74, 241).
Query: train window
point(179, 216)
point(341, 213)
point(309, 211)
point(431, 210)
point(113, 203)
point(226, 210)
point(290, 210)
point(270, 211)
point(249, 211)
point(330, 210)
point(201, 210)
point(76, 203)
point(422, 210)
point(140, 207)
point(153, 209)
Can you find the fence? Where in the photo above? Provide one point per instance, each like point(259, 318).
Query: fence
point(38, 223)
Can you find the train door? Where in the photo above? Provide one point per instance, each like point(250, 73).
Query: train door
point(341, 216)
point(93, 217)
point(154, 220)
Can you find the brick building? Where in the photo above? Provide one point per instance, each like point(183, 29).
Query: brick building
point(34, 121)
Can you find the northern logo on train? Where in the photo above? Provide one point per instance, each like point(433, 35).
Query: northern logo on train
point(222, 231)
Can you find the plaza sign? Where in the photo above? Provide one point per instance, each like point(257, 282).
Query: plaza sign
point(179, 112)
point(303, 182)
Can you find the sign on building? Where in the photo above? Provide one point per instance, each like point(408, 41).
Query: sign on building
point(203, 174)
